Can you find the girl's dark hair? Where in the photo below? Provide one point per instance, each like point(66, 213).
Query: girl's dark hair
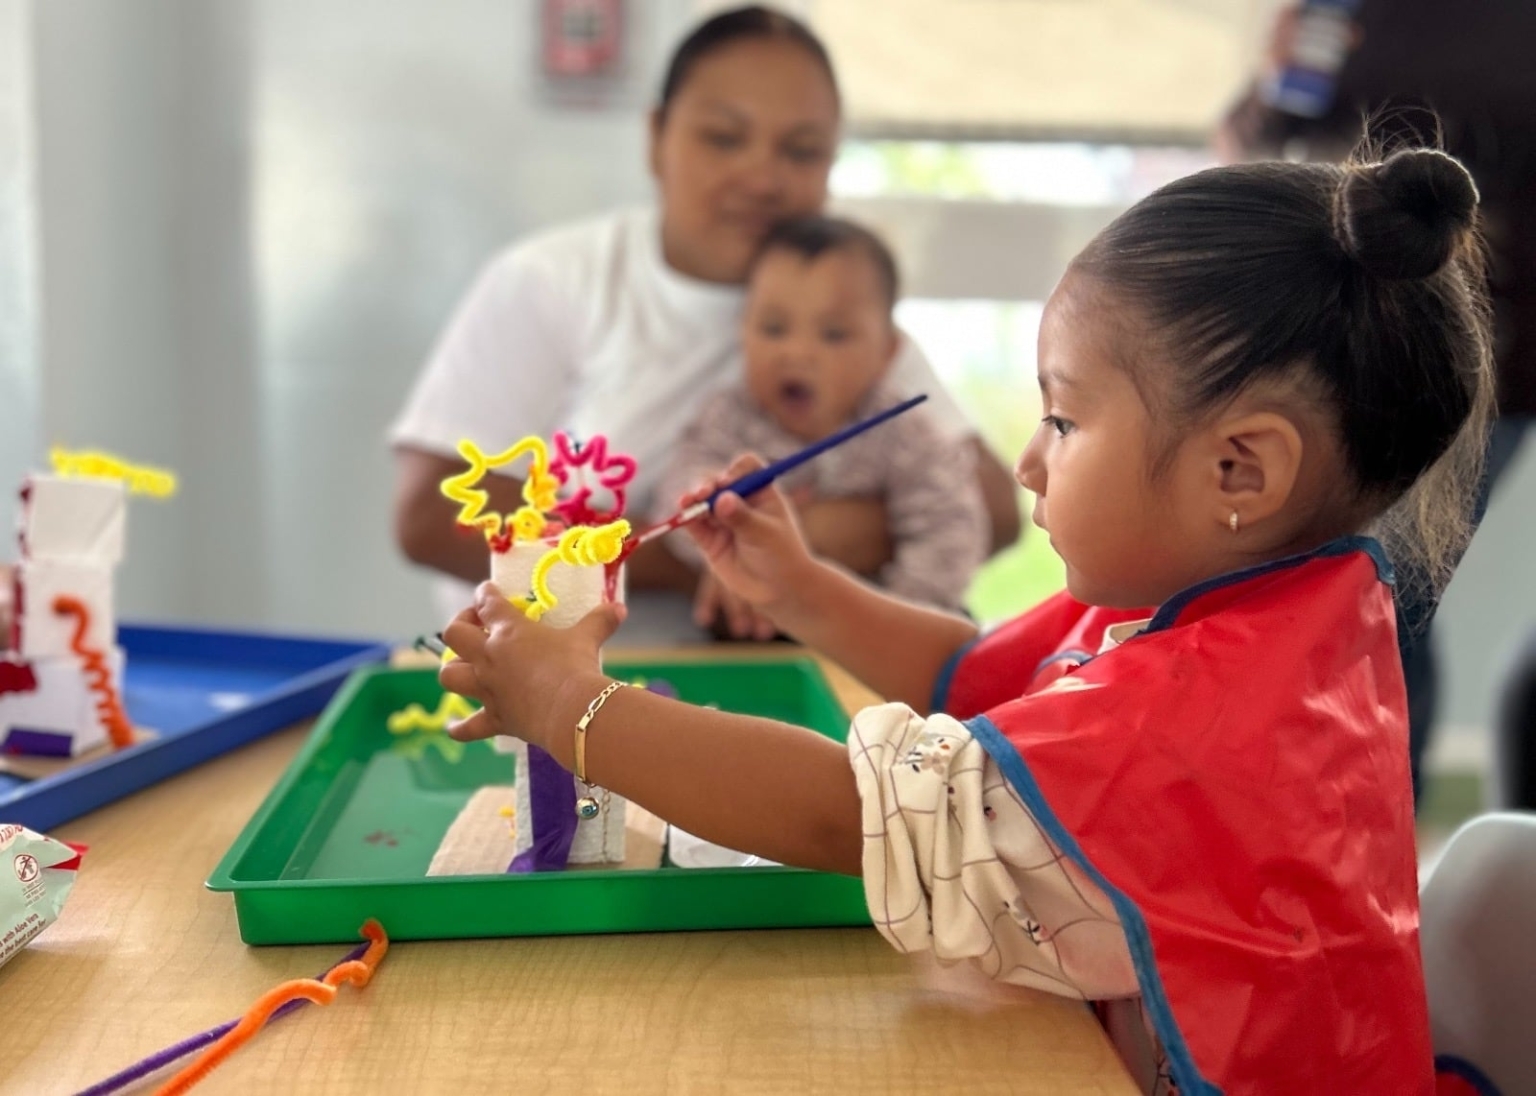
point(738, 25)
point(813, 236)
point(1364, 281)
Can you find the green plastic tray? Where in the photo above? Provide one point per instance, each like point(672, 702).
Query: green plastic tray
point(349, 830)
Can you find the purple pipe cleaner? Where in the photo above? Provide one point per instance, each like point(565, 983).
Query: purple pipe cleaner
point(159, 1061)
point(552, 798)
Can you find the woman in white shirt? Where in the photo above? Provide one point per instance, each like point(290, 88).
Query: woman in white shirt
point(625, 324)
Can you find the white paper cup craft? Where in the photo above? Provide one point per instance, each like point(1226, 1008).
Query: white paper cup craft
point(556, 558)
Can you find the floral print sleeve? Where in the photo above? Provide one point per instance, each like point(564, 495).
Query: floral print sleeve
point(954, 864)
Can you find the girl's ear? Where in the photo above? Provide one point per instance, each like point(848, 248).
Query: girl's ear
point(1257, 464)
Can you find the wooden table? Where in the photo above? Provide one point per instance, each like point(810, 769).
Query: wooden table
point(144, 956)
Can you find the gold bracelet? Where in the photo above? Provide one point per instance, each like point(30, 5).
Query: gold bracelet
point(586, 806)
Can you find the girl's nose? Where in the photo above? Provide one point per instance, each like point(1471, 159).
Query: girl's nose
point(1030, 469)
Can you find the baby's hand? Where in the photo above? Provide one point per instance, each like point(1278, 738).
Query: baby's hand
point(515, 667)
point(753, 546)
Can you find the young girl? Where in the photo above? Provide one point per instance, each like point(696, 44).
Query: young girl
point(1196, 816)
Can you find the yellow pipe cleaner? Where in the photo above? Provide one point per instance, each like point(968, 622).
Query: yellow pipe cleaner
point(140, 479)
point(539, 489)
point(581, 546)
point(432, 725)
point(414, 717)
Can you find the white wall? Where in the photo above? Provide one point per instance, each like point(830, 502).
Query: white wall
point(251, 218)
point(396, 145)
point(144, 300)
point(18, 343)
point(1490, 605)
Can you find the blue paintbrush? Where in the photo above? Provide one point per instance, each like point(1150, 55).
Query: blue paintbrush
point(759, 478)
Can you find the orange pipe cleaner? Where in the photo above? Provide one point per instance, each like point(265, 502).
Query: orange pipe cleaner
point(108, 708)
point(319, 991)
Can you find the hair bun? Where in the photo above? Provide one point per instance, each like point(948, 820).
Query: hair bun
point(1403, 217)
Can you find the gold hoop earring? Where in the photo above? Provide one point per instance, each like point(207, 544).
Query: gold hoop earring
point(1232, 522)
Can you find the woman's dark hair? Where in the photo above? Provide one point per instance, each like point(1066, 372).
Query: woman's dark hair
point(1364, 281)
point(814, 236)
point(738, 25)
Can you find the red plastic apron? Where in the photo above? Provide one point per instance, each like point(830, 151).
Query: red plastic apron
point(1236, 778)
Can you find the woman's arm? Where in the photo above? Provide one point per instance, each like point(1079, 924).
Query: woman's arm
point(501, 370)
point(1000, 493)
point(653, 567)
point(853, 532)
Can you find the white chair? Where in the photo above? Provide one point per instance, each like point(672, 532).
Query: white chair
point(1478, 931)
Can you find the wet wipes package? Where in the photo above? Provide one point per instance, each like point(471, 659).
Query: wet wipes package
point(36, 873)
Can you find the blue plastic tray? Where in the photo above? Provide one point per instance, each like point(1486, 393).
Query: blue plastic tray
point(204, 693)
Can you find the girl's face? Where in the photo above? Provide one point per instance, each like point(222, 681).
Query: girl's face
point(1129, 539)
point(747, 141)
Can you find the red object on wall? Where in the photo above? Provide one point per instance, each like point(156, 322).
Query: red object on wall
point(582, 37)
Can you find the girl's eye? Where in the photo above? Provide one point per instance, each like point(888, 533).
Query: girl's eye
point(721, 140)
point(771, 329)
point(833, 335)
point(1058, 424)
point(802, 154)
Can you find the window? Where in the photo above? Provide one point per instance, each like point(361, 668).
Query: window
point(1135, 72)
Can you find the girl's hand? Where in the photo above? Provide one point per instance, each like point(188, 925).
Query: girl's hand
point(516, 667)
point(753, 546)
point(715, 608)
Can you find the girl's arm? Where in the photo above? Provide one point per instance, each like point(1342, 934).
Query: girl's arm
point(756, 785)
point(792, 796)
point(751, 784)
point(896, 648)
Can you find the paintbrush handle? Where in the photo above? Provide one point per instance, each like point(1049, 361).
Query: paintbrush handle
point(676, 521)
point(434, 644)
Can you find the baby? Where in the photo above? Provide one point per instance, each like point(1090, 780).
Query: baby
point(818, 340)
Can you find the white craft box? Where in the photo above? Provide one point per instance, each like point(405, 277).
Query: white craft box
point(577, 591)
